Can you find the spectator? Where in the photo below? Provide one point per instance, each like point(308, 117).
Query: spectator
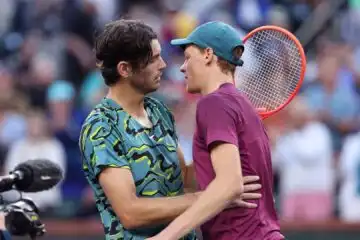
point(12, 106)
point(42, 74)
point(92, 90)
point(304, 158)
point(333, 99)
point(66, 120)
point(38, 143)
point(349, 197)
point(42, 41)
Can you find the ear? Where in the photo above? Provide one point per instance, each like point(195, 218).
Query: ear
point(209, 55)
point(124, 69)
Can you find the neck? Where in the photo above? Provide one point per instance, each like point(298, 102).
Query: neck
point(215, 80)
point(128, 98)
point(37, 138)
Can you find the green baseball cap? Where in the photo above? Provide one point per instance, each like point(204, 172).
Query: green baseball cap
point(219, 36)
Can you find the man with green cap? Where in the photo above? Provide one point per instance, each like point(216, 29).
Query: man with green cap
point(230, 143)
point(129, 146)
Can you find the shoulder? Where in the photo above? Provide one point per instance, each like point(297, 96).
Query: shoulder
point(95, 121)
point(161, 107)
point(104, 110)
point(212, 104)
point(212, 98)
point(157, 103)
point(99, 125)
point(103, 116)
point(212, 110)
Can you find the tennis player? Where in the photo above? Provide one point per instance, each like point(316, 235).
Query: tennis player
point(130, 151)
point(230, 142)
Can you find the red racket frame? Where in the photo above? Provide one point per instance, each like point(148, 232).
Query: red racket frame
point(291, 36)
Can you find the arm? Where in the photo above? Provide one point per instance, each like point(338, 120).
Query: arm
point(4, 234)
point(107, 159)
point(133, 211)
point(188, 173)
point(226, 163)
point(221, 139)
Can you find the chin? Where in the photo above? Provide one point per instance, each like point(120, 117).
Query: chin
point(152, 89)
point(192, 90)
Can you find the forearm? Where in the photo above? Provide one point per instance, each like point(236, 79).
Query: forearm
point(155, 211)
point(213, 200)
point(4, 235)
point(188, 173)
point(2, 221)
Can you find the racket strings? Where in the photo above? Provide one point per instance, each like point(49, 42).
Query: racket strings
point(271, 71)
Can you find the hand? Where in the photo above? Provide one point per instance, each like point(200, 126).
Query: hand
point(2, 221)
point(249, 193)
point(157, 237)
point(260, 111)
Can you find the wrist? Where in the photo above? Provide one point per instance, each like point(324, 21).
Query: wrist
point(197, 194)
point(165, 234)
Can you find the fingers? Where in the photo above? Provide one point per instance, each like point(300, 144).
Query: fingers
point(261, 109)
point(250, 196)
point(232, 205)
point(251, 187)
point(249, 205)
point(249, 179)
point(243, 204)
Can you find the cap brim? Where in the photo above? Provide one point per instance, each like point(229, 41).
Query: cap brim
point(180, 42)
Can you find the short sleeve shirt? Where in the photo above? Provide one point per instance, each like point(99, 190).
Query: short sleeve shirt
point(227, 116)
point(110, 137)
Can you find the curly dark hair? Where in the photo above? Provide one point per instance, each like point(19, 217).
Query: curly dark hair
point(123, 40)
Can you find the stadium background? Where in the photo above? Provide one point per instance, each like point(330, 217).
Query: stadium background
point(48, 84)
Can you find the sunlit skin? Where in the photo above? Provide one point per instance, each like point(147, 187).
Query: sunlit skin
point(129, 92)
point(147, 79)
point(202, 74)
point(134, 84)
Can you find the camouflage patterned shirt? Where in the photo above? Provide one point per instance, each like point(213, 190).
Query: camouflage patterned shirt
point(110, 137)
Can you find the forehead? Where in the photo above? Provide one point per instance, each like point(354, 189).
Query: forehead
point(191, 50)
point(155, 47)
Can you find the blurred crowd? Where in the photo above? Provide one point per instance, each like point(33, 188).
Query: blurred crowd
point(49, 83)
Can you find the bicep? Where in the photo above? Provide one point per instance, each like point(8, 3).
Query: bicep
point(119, 188)
point(103, 149)
point(222, 128)
point(221, 136)
point(225, 159)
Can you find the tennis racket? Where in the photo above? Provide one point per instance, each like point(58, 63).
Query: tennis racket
point(273, 70)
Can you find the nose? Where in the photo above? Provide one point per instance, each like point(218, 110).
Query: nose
point(162, 64)
point(182, 68)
